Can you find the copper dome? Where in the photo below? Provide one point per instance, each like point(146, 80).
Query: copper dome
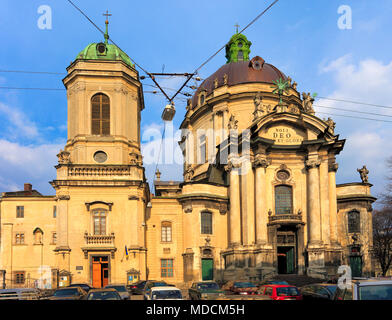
point(255, 70)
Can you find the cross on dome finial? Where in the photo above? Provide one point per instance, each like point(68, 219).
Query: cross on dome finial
point(236, 27)
point(107, 14)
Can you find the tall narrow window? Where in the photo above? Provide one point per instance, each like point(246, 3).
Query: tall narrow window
point(100, 114)
point(54, 211)
point(20, 211)
point(206, 222)
point(240, 56)
point(99, 220)
point(166, 231)
point(202, 149)
point(167, 268)
point(283, 200)
point(354, 222)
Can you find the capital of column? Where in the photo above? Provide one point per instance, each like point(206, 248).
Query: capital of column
point(312, 163)
point(232, 163)
point(333, 166)
point(63, 197)
point(261, 161)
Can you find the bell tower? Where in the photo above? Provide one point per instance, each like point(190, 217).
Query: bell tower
point(101, 187)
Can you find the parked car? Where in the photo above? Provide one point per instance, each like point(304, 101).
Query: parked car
point(164, 293)
point(86, 287)
point(150, 284)
point(19, 294)
point(365, 289)
point(103, 294)
point(271, 281)
point(318, 291)
point(68, 293)
point(281, 292)
point(204, 290)
point(244, 288)
point(137, 287)
point(121, 289)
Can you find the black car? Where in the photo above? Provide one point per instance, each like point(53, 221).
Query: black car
point(137, 288)
point(103, 294)
point(68, 293)
point(86, 287)
point(318, 291)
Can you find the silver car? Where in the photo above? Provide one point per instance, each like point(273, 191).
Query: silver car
point(121, 289)
point(365, 289)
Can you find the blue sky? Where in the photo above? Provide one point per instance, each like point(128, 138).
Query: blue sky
point(301, 38)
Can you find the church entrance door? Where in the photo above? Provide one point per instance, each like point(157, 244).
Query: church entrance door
point(207, 269)
point(100, 271)
point(285, 260)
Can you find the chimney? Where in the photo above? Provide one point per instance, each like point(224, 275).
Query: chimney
point(28, 187)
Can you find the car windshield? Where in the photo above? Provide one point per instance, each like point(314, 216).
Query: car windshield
point(118, 288)
point(208, 286)
point(158, 284)
point(244, 285)
point(331, 289)
point(166, 294)
point(380, 292)
point(103, 295)
point(287, 291)
point(66, 292)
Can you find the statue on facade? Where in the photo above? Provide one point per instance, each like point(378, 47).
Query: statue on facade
point(331, 124)
point(258, 106)
point(188, 174)
point(307, 102)
point(233, 123)
point(364, 174)
point(64, 157)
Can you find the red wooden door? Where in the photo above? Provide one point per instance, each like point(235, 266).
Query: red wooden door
point(97, 275)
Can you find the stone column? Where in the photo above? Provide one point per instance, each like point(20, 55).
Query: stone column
point(314, 225)
point(248, 200)
point(235, 198)
point(324, 202)
point(261, 163)
point(333, 210)
point(62, 248)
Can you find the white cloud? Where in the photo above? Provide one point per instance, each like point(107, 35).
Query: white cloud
point(368, 142)
point(20, 164)
point(20, 125)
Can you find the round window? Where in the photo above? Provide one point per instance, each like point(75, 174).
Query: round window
point(100, 156)
point(283, 175)
point(240, 44)
point(101, 48)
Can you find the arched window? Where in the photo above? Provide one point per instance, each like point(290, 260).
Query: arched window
point(354, 222)
point(38, 233)
point(166, 231)
point(283, 199)
point(206, 222)
point(99, 221)
point(240, 56)
point(100, 114)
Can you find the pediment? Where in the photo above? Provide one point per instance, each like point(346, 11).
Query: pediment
point(291, 129)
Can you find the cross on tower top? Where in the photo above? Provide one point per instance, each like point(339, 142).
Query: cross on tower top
point(236, 27)
point(107, 14)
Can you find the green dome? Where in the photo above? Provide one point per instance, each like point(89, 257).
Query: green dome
point(104, 51)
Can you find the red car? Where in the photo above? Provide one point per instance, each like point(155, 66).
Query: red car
point(281, 292)
point(244, 288)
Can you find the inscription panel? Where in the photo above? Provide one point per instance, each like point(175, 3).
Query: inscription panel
point(285, 135)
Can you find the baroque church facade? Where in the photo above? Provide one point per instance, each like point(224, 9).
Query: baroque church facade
point(259, 195)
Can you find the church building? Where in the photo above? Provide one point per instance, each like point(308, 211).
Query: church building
point(258, 198)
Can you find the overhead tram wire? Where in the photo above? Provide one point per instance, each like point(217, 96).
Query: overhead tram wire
point(356, 102)
point(224, 46)
point(354, 111)
point(348, 116)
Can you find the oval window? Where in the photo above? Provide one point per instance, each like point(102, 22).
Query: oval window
point(100, 156)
